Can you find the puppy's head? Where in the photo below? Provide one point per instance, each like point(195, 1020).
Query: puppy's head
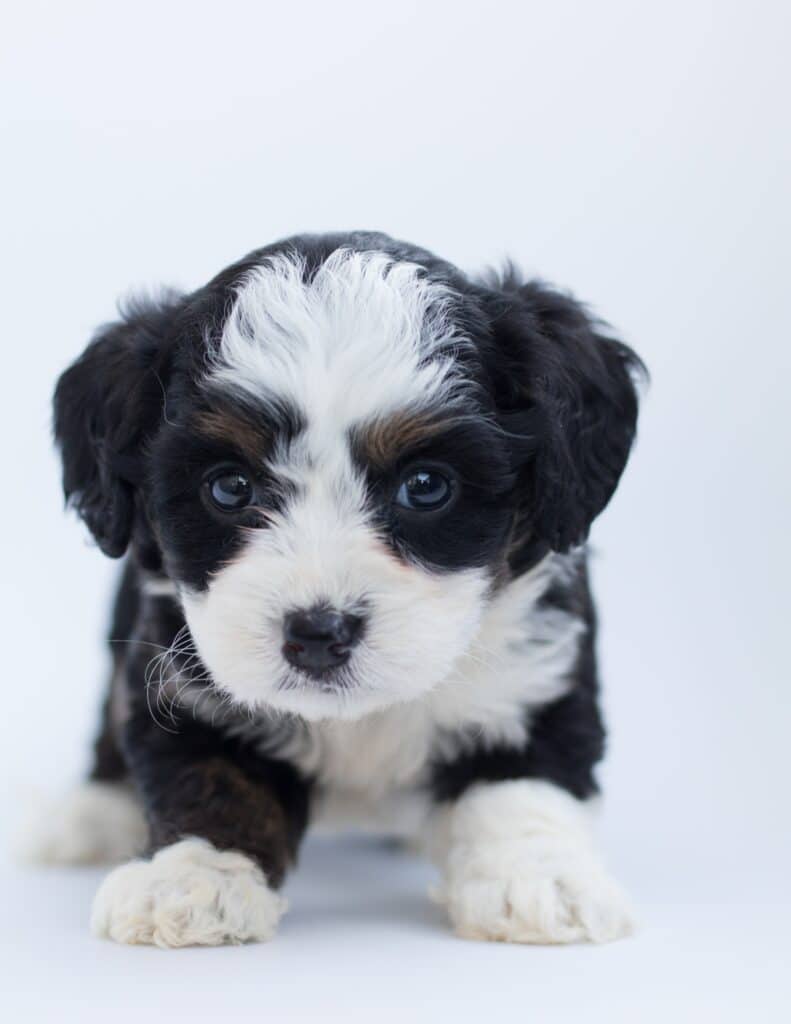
point(338, 450)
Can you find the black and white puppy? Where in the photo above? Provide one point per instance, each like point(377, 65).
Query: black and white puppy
point(355, 486)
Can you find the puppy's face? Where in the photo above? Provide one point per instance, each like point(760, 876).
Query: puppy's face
point(335, 497)
point(337, 450)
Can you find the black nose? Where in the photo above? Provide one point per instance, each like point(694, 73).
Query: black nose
point(319, 639)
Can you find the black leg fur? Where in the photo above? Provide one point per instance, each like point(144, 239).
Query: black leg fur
point(192, 779)
point(108, 761)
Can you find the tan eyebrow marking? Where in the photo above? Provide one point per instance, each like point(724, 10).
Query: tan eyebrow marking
point(253, 441)
point(382, 441)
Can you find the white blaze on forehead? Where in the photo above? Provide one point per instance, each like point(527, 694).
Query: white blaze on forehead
point(364, 336)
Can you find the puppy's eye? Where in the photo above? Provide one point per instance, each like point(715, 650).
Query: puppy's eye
point(424, 490)
point(230, 490)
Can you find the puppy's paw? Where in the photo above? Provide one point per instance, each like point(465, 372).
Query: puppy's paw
point(188, 894)
point(523, 891)
point(96, 823)
point(518, 865)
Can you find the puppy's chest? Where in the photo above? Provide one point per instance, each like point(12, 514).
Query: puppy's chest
point(374, 773)
point(388, 750)
point(370, 773)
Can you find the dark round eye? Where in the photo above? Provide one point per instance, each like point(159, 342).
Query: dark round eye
point(230, 490)
point(424, 490)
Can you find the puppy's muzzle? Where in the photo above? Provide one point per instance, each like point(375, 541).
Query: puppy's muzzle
point(318, 640)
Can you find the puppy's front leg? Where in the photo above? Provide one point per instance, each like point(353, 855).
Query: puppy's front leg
point(519, 865)
point(224, 828)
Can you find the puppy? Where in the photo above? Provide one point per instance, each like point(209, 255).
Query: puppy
point(353, 486)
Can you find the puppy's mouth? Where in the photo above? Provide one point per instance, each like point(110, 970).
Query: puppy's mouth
point(327, 681)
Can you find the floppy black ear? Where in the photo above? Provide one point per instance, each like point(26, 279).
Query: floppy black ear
point(106, 404)
point(567, 396)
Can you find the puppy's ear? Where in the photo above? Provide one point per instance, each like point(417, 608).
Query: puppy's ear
point(106, 405)
point(568, 399)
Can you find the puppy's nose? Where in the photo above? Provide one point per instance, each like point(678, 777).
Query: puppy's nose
point(319, 639)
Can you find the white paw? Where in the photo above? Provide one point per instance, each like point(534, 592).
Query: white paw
point(96, 823)
point(522, 891)
point(188, 894)
point(519, 866)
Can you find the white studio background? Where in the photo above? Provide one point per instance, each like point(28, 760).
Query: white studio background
point(638, 154)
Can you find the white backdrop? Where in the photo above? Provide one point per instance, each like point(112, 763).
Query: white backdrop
point(637, 154)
